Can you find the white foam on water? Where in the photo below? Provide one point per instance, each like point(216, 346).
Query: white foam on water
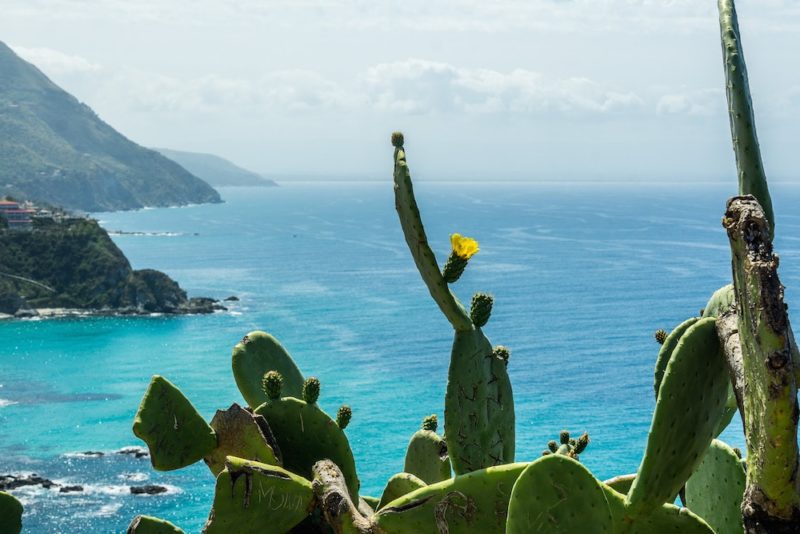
point(134, 477)
point(6, 402)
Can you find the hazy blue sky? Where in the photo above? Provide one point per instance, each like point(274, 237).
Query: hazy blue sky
point(542, 89)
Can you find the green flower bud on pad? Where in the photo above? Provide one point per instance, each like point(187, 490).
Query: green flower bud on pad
point(311, 390)
point(563, 437)
point(454, 268)
point(552, 445)
point(582, 442)
point(481, 309)
point(343, 416)
point(272, 384)
point(430, 423)
point(397, 139)
point(501, 353)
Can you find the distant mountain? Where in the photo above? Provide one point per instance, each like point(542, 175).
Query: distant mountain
point(217, 171)
point(57, 151)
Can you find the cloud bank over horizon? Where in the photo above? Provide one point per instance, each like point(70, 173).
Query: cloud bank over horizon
point(627, 89)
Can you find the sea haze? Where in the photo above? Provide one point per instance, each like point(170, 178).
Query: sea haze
point(582, 276)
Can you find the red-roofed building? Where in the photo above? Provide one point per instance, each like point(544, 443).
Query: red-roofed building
point(17, 217)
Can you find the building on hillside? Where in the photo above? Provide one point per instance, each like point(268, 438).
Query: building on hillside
point(18, 218)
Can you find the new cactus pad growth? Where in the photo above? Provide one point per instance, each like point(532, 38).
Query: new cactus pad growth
point(426, 456)
point(272, 384)
point(311, 389)
point(567, 447)
point(343, 416)
point(481, 309)
point(176, 435)
point(145, 524)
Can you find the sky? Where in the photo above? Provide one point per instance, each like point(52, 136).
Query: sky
point(483, 89)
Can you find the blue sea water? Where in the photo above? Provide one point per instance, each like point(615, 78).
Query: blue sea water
point(582, 276)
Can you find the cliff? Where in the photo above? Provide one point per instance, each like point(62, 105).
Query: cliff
point(75, 264)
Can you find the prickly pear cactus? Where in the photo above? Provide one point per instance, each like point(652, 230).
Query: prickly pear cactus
point(426, 456)
point(715, 489)
point(556, 494)
point(252, 498)
point(243, 435)
point(479, 403)
point(175, 433)
point(305, 434)
point(567, 446)
point(254, 356)
point(145, 524)
point(10, 514)
point(667, 347)
point(399, 485)
point(466, 504)
point(720, 302)
point(691, 401)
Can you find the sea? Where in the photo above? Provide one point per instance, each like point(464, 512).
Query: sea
point(582, 275)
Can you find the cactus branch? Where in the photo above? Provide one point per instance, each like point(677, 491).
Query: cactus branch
point(772, 498)
point(414, 232)
point(337, 507)
point(728, 332)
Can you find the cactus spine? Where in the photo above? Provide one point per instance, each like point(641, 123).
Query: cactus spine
point(479, 404)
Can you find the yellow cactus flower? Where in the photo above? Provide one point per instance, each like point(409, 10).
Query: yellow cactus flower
point(464, 247)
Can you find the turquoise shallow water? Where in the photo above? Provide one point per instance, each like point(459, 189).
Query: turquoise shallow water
point(582, 276)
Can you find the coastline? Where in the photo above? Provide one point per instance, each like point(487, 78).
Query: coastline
point(196, 306)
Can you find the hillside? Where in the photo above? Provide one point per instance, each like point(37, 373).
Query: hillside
point(56, 150)
point(75, 264)
point(217, 171)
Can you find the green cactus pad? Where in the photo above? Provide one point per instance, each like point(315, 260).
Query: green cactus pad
point(721, 301)
point(175, 433)
point(145, 524)
point(475, 502)
point(667, 348)
point(243, 435)
point(252, 497)
point(715, 489)
point(10, 514)
point(479, 406)
point(426, 457)
point(253, 357)
point(556, 494)
point(664, 519)
point(305, 435)
point(620, 484)
point(371, 501)
point(399, 485)
point(690, 402)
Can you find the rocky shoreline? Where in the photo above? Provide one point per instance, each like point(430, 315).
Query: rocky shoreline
point(193, 306)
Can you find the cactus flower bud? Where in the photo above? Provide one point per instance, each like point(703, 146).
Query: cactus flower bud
point(311, 390)
point(563, 437)
point(552, 445)
point(481, 309)
point(582, 442)
point(661, 336)
point(545, 453)
point(397, 139)
point(502, 353)
point(463, 249)
point(272, 383)
point(343, 416)
point(430, 423)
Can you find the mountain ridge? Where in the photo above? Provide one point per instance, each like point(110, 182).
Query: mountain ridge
point(216, 170)
point(56, 150)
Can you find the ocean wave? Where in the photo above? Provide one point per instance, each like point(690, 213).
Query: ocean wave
point(7, 402)
point(134, 477)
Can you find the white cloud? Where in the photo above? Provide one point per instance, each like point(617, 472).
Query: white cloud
point(703, 102)
point(55, 62)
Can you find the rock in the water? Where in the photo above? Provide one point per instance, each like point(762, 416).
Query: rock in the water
point(70, 489)
point(232, 298)
point(10, 482)
point(149, 489)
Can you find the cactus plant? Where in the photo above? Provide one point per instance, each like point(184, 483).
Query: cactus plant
point(175, 433)
point(715, 489)
point(10, 514)
point(252, 497)
point(567, 446)
point(145, 524)
point(244, 435)
point(426, 455)
point(399, 485)
point(254, 356)
point(479, 404)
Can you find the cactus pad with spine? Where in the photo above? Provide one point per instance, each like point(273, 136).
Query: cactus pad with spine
point(426, 455)
point(305, 435)
point(556, 494)
point(715, 489)
point(174, 432)
point(10, 514)
point(252, 498)
point(663, 519)
point(399, 485)
point(475, 502)
point(253, 357)
point(667, 347)
point(690, 403)
point(145, 524)
point(479, 405)
point(243, 435)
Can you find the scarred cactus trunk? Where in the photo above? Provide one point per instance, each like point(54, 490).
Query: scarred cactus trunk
point(772, 498)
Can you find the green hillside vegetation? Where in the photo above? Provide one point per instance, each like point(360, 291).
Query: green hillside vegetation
point(217, 171)
point(75, 264)
point(56, 150)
